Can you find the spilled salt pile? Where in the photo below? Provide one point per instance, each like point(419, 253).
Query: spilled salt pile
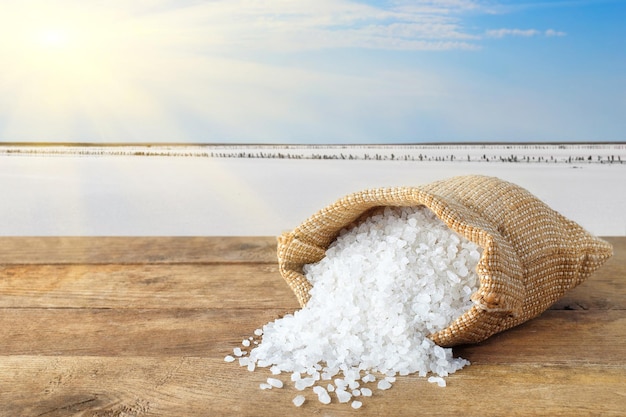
point(382, 288)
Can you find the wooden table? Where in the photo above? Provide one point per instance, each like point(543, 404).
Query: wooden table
point(140, 327)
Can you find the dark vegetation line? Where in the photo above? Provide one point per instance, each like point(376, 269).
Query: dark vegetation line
point(598, 153)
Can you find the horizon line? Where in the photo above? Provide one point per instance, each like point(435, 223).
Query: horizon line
point(250, 144)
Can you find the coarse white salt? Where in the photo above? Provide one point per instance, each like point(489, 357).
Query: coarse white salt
point(245, 342)
point(238, 352)
point(322, 394)
point(383, 287)
point(383, 384)
point(368, 378)
point(356, 404)
point(437, 380)
point(342, 395)
point(265, 386)
point(275, 370)
point(303, 383)
point(298, 400)
point(229, 358)
point(276, 383)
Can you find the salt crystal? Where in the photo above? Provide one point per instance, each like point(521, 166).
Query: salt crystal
point(308, 381)
point(340, 383)
point(330, 388)
point(383, 384)
point(368, 378)
point(298, 400)
point(275, 370)
point(245, 342)
point(322, 394)
point(258, 332)
point(366, 392)
point(229, 358)
point(276, 383)
point(438, 380)
point(324, 398)
point(453, 277)
point(238, 352)
point(265, 386)
point(328, 375)
point(356, 404)
point(342, 395)
point(303, 383)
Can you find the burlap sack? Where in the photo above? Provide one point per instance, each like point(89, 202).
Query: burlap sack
point(531, 254)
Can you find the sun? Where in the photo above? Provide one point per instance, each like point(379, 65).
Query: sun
point(53, 38)
point(81, 70)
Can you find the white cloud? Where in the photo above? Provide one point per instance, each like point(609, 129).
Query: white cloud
point(282, 25)
point(527, 33)
point(287, 25)
point(501, 33)
point(552, 32)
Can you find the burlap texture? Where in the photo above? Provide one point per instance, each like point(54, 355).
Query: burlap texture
point(531, 254)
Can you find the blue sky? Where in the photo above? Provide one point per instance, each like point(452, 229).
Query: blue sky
point(312, 71)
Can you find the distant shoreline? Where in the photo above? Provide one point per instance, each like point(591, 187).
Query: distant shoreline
point(510, 152)
point(298, 145)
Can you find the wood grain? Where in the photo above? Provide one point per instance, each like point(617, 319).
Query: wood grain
point(555, 337)
point(190, 386)
point(140, 327)
point(161, 286)
point(125, 250)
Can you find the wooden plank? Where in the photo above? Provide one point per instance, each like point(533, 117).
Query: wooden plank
point(128, 250)
point(211, 285)
point(197, 386)
point(145, 286)
point(130, 332)
point(556, 337)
